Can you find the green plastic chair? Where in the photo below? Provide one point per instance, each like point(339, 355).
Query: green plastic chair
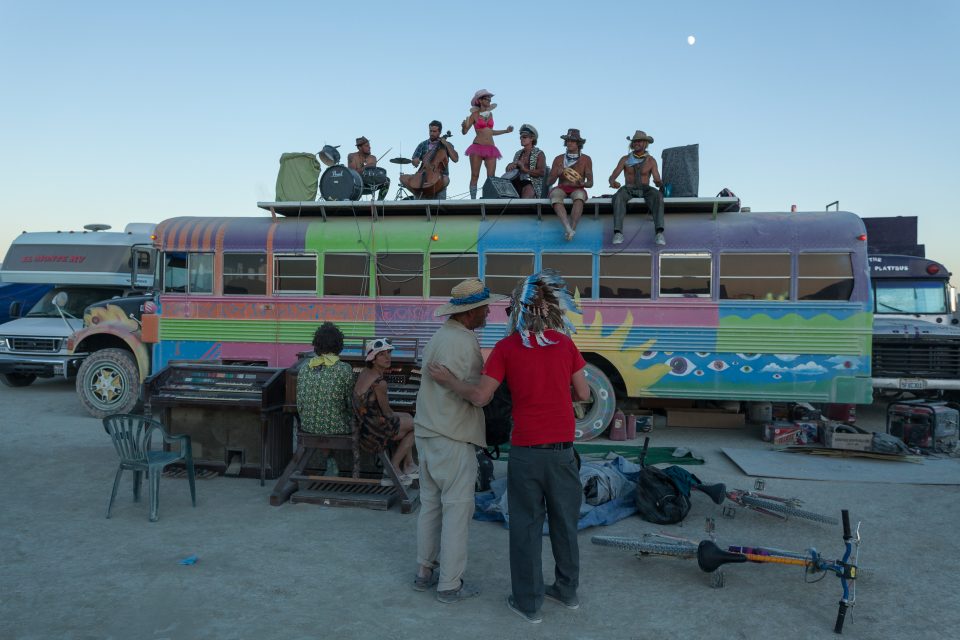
point(131, 436)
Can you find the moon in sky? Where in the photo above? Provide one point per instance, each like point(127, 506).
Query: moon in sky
point(691, 40)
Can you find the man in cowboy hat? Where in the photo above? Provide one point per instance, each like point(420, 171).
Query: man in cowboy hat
point(574, 170)
point(448, 429)
point(363, 159)
point(539, 363)
point(529, 165)
point(637, 167)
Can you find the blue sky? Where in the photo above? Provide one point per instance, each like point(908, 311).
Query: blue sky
point(114, 112)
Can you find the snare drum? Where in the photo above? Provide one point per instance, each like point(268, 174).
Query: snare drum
point(341, 183)
point(374, 178)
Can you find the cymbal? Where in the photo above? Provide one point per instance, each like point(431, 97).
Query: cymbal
point(401, 160)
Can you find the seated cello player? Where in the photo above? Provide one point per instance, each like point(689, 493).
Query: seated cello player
point(436, 151)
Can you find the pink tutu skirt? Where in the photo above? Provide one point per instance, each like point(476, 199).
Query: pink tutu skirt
point(483, 150)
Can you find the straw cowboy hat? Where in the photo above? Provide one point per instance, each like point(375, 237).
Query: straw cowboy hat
point(467, 295)
point(475, 100)
point(373, 347)
point(574, 134)
point(362, 140)
point(640, 135)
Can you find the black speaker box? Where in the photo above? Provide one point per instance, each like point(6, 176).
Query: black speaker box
point(681, 169)
point(499, 188)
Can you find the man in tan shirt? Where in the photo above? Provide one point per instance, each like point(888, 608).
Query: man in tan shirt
point(448, 429)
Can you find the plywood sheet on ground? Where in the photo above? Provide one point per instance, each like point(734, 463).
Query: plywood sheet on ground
point(777, 464)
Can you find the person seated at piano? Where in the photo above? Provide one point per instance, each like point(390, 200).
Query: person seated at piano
point(363, 159)
point(483, 150)
point(529, 165)
point(380, 425)
point(325, 390)
point(429, 146)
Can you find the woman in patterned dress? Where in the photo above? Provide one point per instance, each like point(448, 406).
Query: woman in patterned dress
point(378, 423)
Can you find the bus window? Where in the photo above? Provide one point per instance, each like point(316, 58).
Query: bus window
point(175, 272)
point(824, 276)
point(447, 269)
point(576, 269)
point(200, 272)
point(910, 296)
point(295, 274)
point(143, 261)
point(244, 274)
point(400, 274)
point(754, 276)
point(625, 275)
point(685, 274)
point(346, 274)
point(503, 271)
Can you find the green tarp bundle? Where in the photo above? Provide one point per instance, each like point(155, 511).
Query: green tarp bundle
point(298, 177)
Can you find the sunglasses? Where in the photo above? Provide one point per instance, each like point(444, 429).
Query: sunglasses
point(379, 344)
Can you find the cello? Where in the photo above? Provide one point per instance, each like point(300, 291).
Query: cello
point(430, 178)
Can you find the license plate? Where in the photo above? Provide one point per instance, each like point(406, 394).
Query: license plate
point(912, 384)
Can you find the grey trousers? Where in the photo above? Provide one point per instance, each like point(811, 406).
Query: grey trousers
point(448, 473)
point(543, 483)
point(650, 195)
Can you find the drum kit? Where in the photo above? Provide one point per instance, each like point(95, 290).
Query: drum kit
point(340, 182)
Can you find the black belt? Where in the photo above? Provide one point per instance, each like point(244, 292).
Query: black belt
point(556, 446)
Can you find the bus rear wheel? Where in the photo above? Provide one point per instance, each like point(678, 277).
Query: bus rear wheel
point(109, 382)
point(17, 379)
point(593, 415)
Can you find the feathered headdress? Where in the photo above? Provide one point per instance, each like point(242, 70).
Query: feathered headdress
point(539, 303)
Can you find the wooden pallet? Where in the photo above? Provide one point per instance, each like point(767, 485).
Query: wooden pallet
point(349, 492)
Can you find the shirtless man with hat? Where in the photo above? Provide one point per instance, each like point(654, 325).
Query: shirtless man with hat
point(574, 172)
point(362, 159)
point(637, 167)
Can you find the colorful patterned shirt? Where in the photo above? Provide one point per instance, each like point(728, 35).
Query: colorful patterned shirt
point(325, 398)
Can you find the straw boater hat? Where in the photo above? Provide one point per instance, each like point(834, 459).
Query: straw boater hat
point(361, 141)
point(539, 303)
point(373, 347)
point(475, 100)
point(640, 135)
point(574, 134)
point(467, 295)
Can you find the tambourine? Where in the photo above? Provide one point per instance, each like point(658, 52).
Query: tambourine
point(571, 175)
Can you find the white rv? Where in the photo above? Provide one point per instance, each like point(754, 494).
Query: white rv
point(85, 267)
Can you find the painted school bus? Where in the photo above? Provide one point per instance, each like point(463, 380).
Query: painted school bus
point(737, 306)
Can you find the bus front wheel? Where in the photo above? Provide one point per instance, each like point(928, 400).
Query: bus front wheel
point(109, 382)
point(594, 414)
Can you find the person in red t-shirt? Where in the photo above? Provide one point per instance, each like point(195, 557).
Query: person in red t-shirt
point(539, 363)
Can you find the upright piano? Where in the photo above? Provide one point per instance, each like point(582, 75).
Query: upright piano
point(232, 413)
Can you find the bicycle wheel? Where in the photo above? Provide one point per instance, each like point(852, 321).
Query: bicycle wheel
point(786, 510)
point(646, 547)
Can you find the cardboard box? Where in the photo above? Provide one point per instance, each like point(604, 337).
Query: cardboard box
point(833, 439)
point(704, 418)
point(785, 433)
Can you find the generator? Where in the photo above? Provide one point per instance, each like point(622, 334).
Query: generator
point(929, 426)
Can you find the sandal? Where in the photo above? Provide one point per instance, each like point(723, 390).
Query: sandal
point(422, 584)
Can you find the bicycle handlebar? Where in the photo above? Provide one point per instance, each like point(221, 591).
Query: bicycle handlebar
point(845, 515)
point(847, 572)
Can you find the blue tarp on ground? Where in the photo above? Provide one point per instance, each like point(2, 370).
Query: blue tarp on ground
point(492, 505)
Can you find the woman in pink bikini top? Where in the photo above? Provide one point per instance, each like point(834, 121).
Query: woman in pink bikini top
point(482, 150)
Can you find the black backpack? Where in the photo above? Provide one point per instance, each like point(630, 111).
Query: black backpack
point(659, 500)
point(726, 193)
point(498, 417)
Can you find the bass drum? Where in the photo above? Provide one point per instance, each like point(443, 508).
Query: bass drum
point(341, 183)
